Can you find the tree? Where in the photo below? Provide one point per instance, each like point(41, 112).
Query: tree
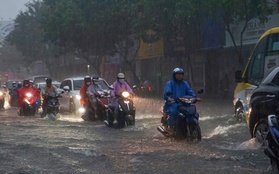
point(93, 28)
point(29, 37)
point(233, 12)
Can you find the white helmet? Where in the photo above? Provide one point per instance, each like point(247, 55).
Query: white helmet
point(120, 76)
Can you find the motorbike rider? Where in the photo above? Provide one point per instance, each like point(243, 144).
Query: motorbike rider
point(178, 88)
point(92, 92)
point(118, 87)
point(14, 86)
point(22, 92)
point(44, 92)
point(13, 99)
point(84, 100)
point(37, 93)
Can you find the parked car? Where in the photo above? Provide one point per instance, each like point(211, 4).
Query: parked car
point(70, 100)
point(40, 85)
point(38, 78)
point(262, 104)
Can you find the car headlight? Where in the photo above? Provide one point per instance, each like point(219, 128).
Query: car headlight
point(78, 97)
point(125, 94)
point(29, 95)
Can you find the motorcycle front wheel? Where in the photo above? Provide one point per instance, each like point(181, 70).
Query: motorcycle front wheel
point(194, 133)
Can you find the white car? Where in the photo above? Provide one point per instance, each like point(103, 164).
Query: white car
point(42, 84)
point(70, 100)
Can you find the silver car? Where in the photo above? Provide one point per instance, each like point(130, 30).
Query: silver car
point(70, 100)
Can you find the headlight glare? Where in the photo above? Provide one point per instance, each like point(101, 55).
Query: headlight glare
point(125, 94)
point(78, 97)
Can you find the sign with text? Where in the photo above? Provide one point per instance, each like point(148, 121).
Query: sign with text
point(151, 46)
point(253, 31)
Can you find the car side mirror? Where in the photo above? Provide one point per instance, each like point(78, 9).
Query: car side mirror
point(66, 88)
point(111, 87)
point(238, 76)
point(60, 91)
point(200, 91)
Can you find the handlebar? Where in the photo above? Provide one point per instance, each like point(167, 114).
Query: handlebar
point(187, 100)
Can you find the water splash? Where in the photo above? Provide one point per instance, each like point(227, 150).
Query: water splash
point(86, 152)
point(222, 130)
point(133, 129)
point(206, 118)
point(251, 144)
point(71, 118)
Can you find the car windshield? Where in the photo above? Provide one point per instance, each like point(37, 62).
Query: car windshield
point(57, 84)
point(103, 84)
point(77, 84)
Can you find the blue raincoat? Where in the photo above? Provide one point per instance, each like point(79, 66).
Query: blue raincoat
point(178, 89)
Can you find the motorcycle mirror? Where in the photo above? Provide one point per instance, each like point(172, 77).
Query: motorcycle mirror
point(66, 88)
point(169, 93)
point(135, 86)
point(200, 91)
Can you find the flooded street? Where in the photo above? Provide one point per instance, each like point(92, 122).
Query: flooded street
point(69, 145)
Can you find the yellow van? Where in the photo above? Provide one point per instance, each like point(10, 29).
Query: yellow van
point(264, 56)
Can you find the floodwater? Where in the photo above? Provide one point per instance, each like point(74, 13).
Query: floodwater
point(31, 145)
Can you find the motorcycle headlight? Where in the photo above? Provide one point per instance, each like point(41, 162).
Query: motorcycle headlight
point(78, 97)
point(29, 95)
point(81, 110)
point(125, 94)
point(1, 93)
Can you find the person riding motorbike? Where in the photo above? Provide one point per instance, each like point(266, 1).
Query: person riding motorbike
point(37, 94)
point(118, 87)
point(22, 92)
point(178, 88)
point(44, 92)
point(84, 100)
point(91, 92)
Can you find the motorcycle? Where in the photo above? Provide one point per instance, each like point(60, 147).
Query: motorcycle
point(52, 105)
point(13, 99)
point(187, 124)
point(2, 99)
point(126, 114)
point(101, 108)
point(272, 150)
point(28, 105)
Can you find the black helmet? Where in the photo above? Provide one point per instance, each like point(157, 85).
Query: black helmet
point(48, 80)
point(177, 71)
point(95, 79)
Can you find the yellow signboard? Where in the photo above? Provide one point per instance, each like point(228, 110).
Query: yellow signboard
point(151, 50)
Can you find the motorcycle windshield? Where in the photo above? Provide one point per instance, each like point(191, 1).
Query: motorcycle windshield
point(187, 110)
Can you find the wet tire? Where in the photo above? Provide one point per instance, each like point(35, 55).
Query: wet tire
point(239, 114)
point(252, 122)
point(194, 133)
point(261, 131)
point(199, 137)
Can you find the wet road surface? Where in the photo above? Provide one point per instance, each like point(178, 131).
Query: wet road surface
point(69, 145)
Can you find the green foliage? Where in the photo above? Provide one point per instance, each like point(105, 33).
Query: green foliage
point(92, 28)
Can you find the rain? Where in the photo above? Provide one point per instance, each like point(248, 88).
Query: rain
point(69, 41)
